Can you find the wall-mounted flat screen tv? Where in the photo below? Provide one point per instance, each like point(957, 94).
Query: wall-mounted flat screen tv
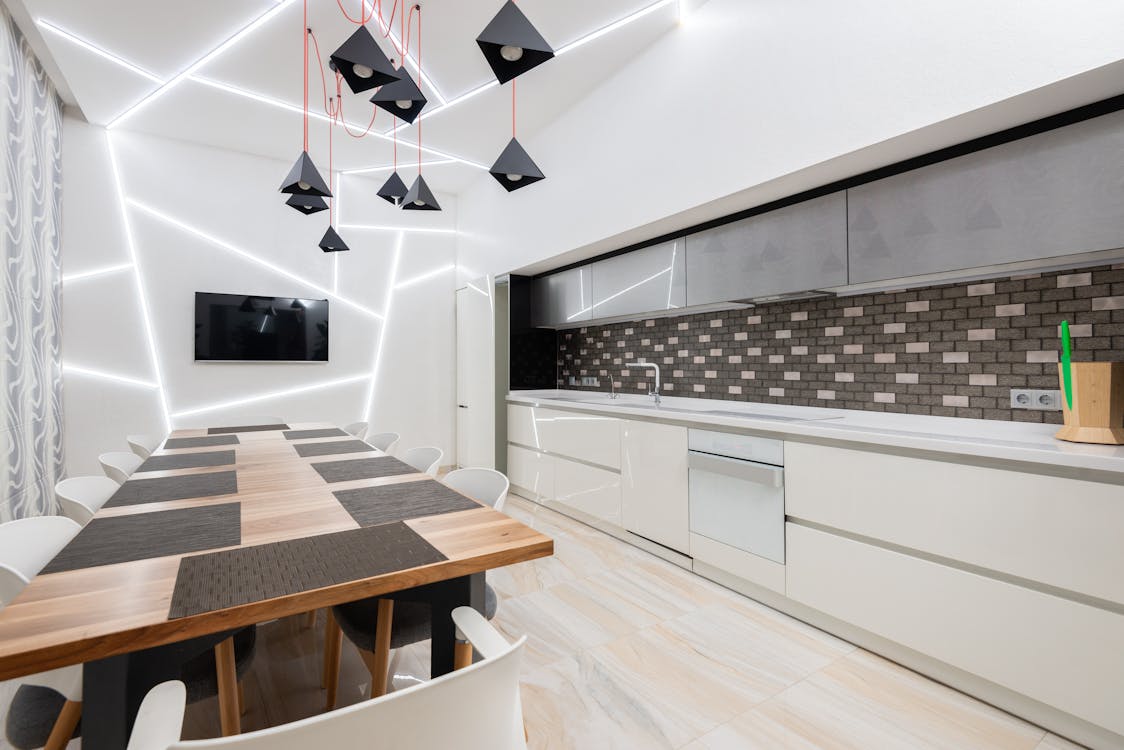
point(251, 328)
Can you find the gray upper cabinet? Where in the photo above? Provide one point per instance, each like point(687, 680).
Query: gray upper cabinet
point(564, 298)
point(643, 281)
point(1056, 193)
point(792, 249)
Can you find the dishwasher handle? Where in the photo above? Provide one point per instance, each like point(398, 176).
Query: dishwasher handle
point(750, 471)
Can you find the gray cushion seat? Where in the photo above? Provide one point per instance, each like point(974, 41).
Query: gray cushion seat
point(412, 620)
point(34, 708)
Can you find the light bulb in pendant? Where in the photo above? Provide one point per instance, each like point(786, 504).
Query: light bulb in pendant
point(362, 71)
point(403, 103)
point(514, 177)
point(510, 53)
point(303, 185)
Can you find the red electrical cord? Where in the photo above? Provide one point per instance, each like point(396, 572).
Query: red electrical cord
point(513, 108)
point(418, 7)
point(363, 17)
point(304, 42)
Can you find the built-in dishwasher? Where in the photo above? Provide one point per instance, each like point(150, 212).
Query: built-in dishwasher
point(736, 485)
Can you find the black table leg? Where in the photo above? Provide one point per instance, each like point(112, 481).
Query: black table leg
point(113, 688)
point(447, 596)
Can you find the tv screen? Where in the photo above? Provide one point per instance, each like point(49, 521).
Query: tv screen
point(250, 328)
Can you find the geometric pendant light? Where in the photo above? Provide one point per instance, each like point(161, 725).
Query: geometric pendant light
point(303, 179)
point(402, 98)
point(511, 44)
point(393, 190)
point(362, 63)
point(332, 242)
point(420, 197)
point(515, 169)
point(307, 204)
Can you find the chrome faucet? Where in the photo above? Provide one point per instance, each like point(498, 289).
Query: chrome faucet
point(612, 387)
point(655, 393)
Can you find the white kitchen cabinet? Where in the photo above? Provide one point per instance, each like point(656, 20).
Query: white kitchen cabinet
point(587, 489)
point(1061, 652)
point(587, 437)
point(654, 483)
point(531, 473)
point(1061, 532)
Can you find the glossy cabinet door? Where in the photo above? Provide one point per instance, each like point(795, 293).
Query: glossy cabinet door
point(531, 473)
point(652, 279)
point(792, 249)
point(1052, 194)
point(562, 299)
point(587, 489)
point(654, 483)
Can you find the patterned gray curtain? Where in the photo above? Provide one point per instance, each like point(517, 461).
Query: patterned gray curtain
point(31, 452)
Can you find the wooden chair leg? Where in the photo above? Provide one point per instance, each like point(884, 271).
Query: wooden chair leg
point(228, 688)
point(462, 655)
point(333, 643)
point(241, 698)
point(378, 661)
point(310, 619)
point(64, 725)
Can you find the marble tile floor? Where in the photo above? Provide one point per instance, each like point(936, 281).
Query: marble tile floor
point(628, 651)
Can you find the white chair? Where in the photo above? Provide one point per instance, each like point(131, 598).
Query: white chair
point(426, 460)
point(485, 485)
point(384, 441)
point(475, 708)
point(143, 445)
point(358, 429)
point(119, 465)
point(26, 546)
point(80, 498)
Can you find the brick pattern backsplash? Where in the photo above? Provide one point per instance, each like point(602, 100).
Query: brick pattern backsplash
point(951, 350)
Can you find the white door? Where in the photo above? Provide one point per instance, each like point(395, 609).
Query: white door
point(475, 379)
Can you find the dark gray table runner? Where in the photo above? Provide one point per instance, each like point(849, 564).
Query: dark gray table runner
point(187, 461)
point(200, 442)
point(322, 433)
point(330, 447)
point(246, 428)
point(362, 468)
point(105, 541)
point(160, 489)
point(231, 578)
point(370, 506)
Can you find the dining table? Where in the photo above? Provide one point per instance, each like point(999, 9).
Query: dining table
point(226, 527)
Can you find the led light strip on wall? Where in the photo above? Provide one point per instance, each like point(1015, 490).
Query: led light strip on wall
point(271, 395)
point(385, 327)
point(69, 369)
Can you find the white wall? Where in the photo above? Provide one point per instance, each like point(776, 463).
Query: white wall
point(187, 191)
point(744, 94)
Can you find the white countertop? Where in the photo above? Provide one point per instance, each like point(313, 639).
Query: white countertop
point(981, 438)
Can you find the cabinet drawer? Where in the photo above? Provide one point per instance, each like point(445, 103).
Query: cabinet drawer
point(586, 437)
point(736, 562)
point(593, 491)
point(1062, 532)
point(531, 472)
point(1059, 652)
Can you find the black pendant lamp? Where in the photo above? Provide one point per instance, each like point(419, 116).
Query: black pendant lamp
point(303, 179)
point(307, 204)
point(420, 197)
point(331, 242)
point(402, 98)
point(515, 169)
point(393, 190)
point(362, 63)
point(511, 44)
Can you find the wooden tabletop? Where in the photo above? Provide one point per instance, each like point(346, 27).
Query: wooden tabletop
point(80, 615)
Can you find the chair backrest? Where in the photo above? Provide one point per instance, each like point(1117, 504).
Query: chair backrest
point(426, 460)
point(119, 465)
point(475, 708)
point(27, 545)
point(486, 485)
point(384, 441)
point(358, 429)
point(143, 445)
point(81, 497)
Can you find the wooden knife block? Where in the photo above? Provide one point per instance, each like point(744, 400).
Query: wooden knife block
point(1097, 415)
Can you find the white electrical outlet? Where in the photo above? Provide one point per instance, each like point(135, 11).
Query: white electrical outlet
point(1036, 400)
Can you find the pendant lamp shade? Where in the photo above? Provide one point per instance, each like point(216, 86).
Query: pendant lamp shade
point(402, 98)
point(511, 44)
point(331, 242)
point(514, 169)
point(393, 190)
point(307, 204)
point(303, 179)
point(420, 197)
point(362, 63)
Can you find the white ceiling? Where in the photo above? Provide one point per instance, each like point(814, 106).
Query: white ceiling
point(247, 96)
